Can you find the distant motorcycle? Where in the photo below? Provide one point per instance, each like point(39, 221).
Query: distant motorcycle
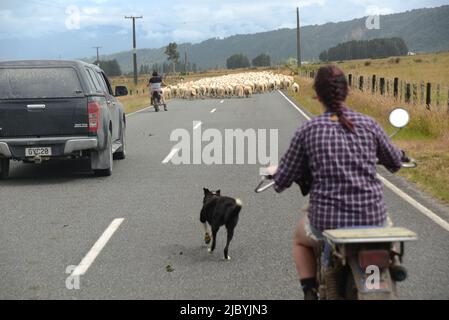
point(361, 263)
point(156, 100)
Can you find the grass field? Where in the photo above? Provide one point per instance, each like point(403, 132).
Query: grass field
point(432, 68)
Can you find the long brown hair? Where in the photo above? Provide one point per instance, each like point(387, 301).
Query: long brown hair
point(332, 88)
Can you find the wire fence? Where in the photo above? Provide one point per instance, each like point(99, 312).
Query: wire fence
point(426, 93)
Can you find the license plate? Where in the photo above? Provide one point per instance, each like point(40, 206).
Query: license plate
point(34, 152)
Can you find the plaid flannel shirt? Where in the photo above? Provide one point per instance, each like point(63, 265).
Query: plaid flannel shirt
point(345, 191)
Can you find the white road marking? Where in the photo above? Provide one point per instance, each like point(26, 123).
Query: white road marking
point(221, 101)
point(433, 216)
point(170, 155)
point(294, 105)
point(197, 125)
point(427, 212)
point(133, 113)
point(96, 249)
point(213, 110)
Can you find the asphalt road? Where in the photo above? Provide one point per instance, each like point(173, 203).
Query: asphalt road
point(53, 214)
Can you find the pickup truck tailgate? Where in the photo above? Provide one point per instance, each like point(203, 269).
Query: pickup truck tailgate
point(41, 101)
point(43, 117)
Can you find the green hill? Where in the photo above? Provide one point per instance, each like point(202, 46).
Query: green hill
point(423, 30)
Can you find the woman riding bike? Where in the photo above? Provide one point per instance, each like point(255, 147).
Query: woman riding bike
point(337, 152)
point(156, 83)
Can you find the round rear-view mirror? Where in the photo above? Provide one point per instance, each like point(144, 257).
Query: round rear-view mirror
point(399, 118)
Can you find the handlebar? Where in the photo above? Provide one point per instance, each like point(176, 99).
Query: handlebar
point(261, 187)
point(409, 163)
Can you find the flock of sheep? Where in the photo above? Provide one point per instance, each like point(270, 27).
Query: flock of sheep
point(239, 85)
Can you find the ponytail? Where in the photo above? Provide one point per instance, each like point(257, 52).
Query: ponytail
point(332, 88)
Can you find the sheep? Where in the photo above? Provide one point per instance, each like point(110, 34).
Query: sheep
point(295, 87)
point(248, 91)
point(239, 91)
point(239, 85)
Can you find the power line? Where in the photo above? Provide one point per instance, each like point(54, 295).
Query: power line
point(298, 38)
point(134, 45)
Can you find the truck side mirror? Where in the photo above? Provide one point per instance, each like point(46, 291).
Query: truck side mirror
point(121, 91)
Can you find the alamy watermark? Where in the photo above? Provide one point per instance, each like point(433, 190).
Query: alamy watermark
point(373, 279)
point(233, 146)
point(73, 281)
point(373, 20)
point(72, 22)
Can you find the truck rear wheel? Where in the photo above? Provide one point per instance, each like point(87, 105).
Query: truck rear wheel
point(120, 154)
point(107, 171)
point(4, 168)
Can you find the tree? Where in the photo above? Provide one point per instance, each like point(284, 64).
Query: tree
point(323, 56)
point(262, 60)
point(237, 61)
point(376, 48)
point(111, 67)
point(144, 69)
point(173, 54)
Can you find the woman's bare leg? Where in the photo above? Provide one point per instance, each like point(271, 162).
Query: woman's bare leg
point(303, 252)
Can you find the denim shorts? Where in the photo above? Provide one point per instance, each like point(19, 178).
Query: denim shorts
point(312, 232)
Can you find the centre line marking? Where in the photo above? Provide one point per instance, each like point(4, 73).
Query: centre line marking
point(170, 155)
point(197, 125)
point(425, 211)
point(213, 110)
point(96, 249)
point(221, 101)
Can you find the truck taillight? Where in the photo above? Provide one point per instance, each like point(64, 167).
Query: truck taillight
point(93, 109)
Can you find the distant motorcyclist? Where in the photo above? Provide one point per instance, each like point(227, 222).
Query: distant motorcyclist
point(156, 82)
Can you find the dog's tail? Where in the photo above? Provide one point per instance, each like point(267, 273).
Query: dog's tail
point(238, 203)
point(238, 207)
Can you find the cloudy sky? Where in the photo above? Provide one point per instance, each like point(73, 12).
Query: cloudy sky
point(70, 28)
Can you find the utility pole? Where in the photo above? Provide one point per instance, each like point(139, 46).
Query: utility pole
point(134, 45)
point(185, 61)
point(98, 55)
point(298, 38)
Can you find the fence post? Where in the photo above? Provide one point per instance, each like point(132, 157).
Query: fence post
point(382, 86)
point(402, 90)
point(395, 87)
point(130, 92)
point(438, 95)
point(407, 93)
point(429, 94)
point(422, 92)
point(415, 93)
point(448, 100)
point(388, 87)
point(373, 84)
point(350, 79)
point(361, 83)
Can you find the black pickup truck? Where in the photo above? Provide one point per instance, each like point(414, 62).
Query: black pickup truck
point(53, 109)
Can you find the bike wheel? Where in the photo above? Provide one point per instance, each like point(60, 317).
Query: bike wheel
point(350, 290)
